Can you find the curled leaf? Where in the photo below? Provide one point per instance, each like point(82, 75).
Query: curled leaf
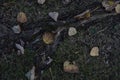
point(72, 31)
point(21, 17)
point(54, 15)
point(41, 1)
point(94, 51)
point(117, 8)
point(70, 68)
point(48, 37)
point(84, 15)
point(16, 29)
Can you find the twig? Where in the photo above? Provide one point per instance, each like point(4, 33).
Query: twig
point(101, 31)
point(51, 73)
point(93, 18)
point(7, 4)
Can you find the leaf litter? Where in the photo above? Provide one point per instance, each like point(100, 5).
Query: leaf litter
point(54, 40)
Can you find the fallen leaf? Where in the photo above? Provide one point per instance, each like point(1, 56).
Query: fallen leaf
point(109, 5)
point(117, 8)
point(48, 37)
point(66, 63)
point(66, 1)
point(31, 74)
point(21, 17)
point(84, 15)
point(70, 67)
point(18, 46)
point(22, 42)
point(72, 31)
point(54, 15)
point(41, 1)
point(94, 51)
point(16, 29)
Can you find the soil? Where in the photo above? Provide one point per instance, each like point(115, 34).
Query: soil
point(103, 32)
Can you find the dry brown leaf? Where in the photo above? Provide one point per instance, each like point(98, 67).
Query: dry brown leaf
point(21, 17)
point(41, 1)
point(117, 8)
point(70, 68)
point(109, 5)
point(48, 37)
point(94, 51)
point(85, 15)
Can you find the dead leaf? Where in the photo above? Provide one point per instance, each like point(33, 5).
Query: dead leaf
point(66, 63)
point(94, 51)
point(16, 29)
point(41, 1)
point(72, 31)
point(117, 8)
point(21, 17)
point(48, 37)
point(85, 15)
point(18, 46)
point(70, 67)
point(109, 5)
point(54, 15)
point(31, 74)
point(66, 1)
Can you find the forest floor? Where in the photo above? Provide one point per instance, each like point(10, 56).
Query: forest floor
point(103, 32)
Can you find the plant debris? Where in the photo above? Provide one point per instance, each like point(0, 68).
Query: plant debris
point(21, 17)
point(18, 46)
point(117, 8)
point(16, 29)
point(109, 5)
point(72, 31)
point(70, 67)
point(48, 37)
point(42, 33)
point(94, 51)
point(31, 74)
point(54, 15)
point(66, 1)
point(85, 15)
point(41, 1)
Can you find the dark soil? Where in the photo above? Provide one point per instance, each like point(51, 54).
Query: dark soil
point(103, 32)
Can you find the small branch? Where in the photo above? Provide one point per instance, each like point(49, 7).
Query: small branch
point(101, 31)
point(93, 18)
